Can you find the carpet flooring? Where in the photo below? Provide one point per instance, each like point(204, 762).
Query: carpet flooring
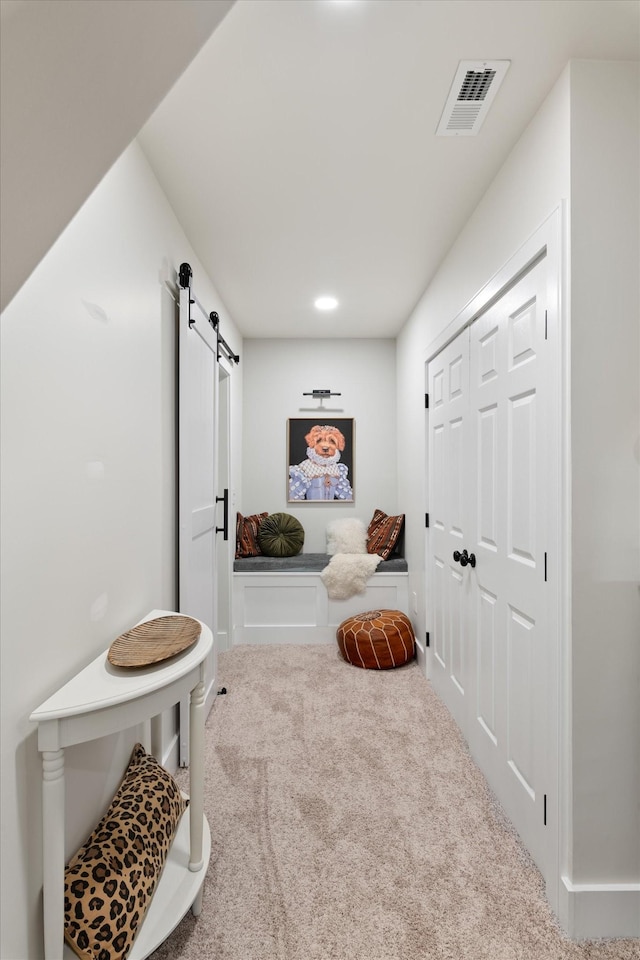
point(349, 822)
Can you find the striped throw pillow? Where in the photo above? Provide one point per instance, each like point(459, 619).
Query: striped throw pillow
point(247, 535)
point(383, 533)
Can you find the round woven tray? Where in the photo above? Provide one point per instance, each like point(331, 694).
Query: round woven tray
point(153, 641)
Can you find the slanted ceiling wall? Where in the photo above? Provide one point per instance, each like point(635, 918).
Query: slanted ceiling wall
point(65, 68)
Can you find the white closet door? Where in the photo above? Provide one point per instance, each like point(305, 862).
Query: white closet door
point(507, 460)
point(449, 522)
point(488, 486)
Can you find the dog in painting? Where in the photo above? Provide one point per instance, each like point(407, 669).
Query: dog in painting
point(321, 476)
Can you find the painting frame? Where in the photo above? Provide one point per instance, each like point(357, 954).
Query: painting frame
point(321, 460)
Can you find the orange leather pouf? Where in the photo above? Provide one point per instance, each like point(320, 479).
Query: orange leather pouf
point(376, 640)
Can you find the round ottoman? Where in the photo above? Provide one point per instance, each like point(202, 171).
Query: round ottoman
point(376, 640)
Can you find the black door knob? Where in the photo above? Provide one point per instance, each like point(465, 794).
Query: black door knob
point(464, 558)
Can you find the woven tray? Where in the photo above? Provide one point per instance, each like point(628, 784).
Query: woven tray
point(153, 641)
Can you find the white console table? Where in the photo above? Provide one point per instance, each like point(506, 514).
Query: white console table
point(102, 700)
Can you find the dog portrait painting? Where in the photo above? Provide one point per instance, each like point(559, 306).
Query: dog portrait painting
point(320, 460)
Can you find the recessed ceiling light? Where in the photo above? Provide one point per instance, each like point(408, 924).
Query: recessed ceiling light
point(325, 303)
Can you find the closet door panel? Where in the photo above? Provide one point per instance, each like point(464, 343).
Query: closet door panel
point(454, 486)
point(486, 644)
point(506, 378)
point(439, 611)
point(488, 505)
point(457, 629)
point(448, 439)
point(437, 477)
point(521, 694)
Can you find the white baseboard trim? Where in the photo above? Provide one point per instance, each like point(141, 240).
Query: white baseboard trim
point(590, 911)
point(268, 634)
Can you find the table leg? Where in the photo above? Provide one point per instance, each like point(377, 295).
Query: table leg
point(196, 775)
point(53, 828)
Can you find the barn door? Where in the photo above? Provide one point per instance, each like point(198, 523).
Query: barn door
point(225, 541)
point(197, 420)
point(490, 463)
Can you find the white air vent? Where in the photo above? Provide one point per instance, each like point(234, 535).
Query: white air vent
point(474, 86)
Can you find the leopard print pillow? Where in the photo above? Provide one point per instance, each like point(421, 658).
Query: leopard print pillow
point(109, 882)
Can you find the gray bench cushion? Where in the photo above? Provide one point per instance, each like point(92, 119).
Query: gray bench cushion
point(306, 563)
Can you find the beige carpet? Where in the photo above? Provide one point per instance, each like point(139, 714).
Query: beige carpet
point(349, 823)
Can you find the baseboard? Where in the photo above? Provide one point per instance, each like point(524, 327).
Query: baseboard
point(284, 634)
point(591, 911)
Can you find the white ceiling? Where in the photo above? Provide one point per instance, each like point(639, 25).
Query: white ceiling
point(298, 148)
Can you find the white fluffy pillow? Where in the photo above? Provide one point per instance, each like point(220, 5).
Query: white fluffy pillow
point(346, 536)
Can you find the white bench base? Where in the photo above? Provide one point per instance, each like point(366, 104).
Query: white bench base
point(295, 608)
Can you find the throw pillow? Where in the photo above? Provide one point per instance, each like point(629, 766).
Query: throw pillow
point(247, 535)
point(110, 881)
point(383, 533)
point(281, 535)
point(346, 536)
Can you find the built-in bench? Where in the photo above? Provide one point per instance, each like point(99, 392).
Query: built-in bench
point(306, 563)
point(283, 600)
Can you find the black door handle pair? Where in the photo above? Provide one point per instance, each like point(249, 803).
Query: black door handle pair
point(464, 558)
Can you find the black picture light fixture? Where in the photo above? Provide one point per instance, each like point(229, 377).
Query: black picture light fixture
point(321, 394)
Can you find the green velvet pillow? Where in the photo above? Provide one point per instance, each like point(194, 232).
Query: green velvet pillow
point(281, 535)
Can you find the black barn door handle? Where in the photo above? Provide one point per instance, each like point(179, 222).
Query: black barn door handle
point(224, 529)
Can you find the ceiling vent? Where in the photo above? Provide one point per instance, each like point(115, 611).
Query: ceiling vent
point(472, 92)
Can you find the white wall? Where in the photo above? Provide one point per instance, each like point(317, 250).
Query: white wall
point(276, 374)
point(582, 147)
point(88, 488)
point(605, 452)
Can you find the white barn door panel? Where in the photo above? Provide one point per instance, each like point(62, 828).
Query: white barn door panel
point(490, 443)
point(225, 545)
point(197, 421)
